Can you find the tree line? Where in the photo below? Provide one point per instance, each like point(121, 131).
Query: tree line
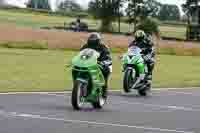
point(156, 9)
point(192, 10)
point(109, 11)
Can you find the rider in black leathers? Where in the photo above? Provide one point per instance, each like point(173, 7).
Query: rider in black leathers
point(105, 60)
point(143, 41)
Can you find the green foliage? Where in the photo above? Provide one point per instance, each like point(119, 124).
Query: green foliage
point(191, 8)
point(169, 12)
point(39, 4)
point(153, 8)
point(142, 9)
point(105, 10)
point(72, 9)
point(149, 25)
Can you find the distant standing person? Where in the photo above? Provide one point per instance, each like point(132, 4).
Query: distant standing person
point(78, 23)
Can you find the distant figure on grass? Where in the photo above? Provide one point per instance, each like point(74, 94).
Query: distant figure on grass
point(78, 25)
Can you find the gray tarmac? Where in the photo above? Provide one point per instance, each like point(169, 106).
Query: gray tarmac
point(166, 111)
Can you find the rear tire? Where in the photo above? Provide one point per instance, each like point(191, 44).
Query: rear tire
point(76, 95)
point(127, 82)
point(142, 92)
point(145, 91)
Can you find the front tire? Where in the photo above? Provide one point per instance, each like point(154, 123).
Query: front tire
point(127, 82)
point(76, 95)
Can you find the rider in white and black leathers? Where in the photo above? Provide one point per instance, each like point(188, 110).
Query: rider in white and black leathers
point(105, 60)
point(144, 42)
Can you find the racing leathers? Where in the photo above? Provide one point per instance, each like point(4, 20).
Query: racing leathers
point(105, 61)
point(148, 53)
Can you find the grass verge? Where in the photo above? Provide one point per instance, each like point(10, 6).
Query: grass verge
point(43, 70)
point(25, 45)
point(175, 49)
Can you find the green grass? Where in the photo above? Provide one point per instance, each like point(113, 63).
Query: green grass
point(173, 31)
point(43, 70)
point(31, 70)
point(25, 45)
point(170, 71)
point(37, 20)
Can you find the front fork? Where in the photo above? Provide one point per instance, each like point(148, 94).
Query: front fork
point(84, 89)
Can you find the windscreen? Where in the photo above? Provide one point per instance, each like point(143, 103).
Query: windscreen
point(88, 53)
point(134, 50)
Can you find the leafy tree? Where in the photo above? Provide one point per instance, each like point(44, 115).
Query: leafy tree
point(105, 10)
point(169, 12)
point(140, 10)
point(192, 9)
point(143, 8)
point(39, 4)
point(150, 26)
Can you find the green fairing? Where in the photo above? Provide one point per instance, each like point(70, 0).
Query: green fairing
point(135, 71)
point(86, 61)
point(136, 60)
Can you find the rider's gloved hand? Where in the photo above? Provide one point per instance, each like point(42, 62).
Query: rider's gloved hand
point(147, 57)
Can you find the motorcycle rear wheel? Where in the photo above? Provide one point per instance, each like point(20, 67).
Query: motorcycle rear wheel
point(99, 103)
point(145, 91)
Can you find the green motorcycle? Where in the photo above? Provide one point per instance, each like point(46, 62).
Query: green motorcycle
point(134, 68)
point(88, 80)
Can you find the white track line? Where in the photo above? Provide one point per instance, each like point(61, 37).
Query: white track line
point(184, 93)
point(68, 92)
point(31, 116)
point(57, 94)
point(171, 107)
point(183, 88)
point(169, 91)
point(40, 93)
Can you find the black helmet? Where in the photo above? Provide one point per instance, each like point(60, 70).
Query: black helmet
point(94, 39)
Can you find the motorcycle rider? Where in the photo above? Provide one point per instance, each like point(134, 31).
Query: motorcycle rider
point(94, 41)
point(144, 42)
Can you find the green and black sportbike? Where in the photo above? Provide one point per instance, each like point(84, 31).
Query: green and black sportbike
point(88, 80)
point(135, 72)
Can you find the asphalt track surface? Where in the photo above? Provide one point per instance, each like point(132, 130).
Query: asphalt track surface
point(167, 111)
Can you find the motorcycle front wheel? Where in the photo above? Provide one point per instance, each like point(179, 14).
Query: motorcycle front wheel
point(77, 95)
point(128, 80)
